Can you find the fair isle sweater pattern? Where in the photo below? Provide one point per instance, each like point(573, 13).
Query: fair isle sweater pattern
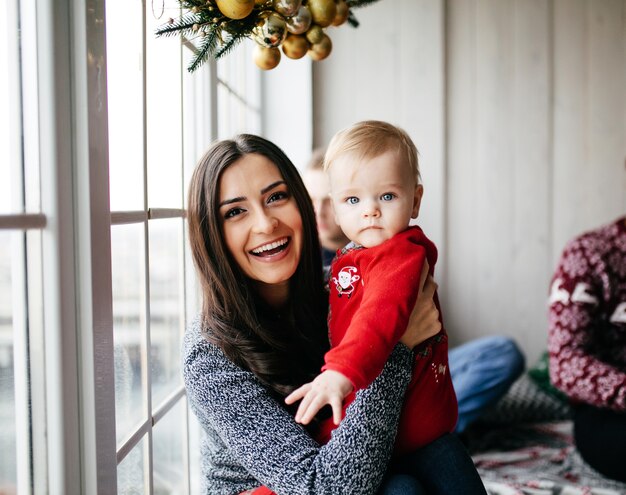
point(587, 318)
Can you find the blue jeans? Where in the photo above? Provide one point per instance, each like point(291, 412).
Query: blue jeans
point(442, 467)
point(482, 371)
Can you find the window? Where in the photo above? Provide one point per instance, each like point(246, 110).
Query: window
point(158, 127)
point(96, 280)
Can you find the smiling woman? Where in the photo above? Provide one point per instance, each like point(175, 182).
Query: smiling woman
point(253, 237)
point(262, 225)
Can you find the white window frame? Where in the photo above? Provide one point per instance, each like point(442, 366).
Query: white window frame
point(71, 363)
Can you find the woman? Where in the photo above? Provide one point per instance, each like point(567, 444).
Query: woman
point(262, 333)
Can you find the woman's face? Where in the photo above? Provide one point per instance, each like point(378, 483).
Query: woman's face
point(261, 223)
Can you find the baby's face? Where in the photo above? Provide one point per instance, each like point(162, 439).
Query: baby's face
point(374, 199)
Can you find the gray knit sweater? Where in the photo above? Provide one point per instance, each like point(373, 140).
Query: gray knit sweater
point(251, 440)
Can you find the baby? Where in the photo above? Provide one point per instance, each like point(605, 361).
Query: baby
point(376, 191)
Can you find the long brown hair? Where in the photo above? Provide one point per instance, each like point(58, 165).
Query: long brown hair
point(283, 349)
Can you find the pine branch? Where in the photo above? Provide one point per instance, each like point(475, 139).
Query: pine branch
point(355, 4)
point(227, 47)
point(353, 20)
point(182, 25)
point(206, 49)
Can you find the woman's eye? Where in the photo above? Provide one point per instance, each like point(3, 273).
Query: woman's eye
point(352, 200)
point(387, 196)
point(278, 195)
point(233, 212)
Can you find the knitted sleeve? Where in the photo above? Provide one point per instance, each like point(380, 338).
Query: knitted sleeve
point(272, 450)
point(576, 320)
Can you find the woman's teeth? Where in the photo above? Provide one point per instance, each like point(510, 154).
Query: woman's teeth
point(270, 247)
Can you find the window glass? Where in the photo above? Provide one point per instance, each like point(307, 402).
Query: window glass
point(166, 306)
point(125, 98)
point(8, 125)
point(8, 446)
point(168, 444)
point(127, 267)
point(239, 93)
point(131, 473)
point(163, 112)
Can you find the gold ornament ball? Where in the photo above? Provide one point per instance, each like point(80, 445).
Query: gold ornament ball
point(266, 58)
point(271, 29)
point(287, 8)
point(342, 13)
point(300, 22)
point(315, 34)
point(322, 11)
point(319, 51)
point(235, 9)
point(262, 3)
point(295, 46)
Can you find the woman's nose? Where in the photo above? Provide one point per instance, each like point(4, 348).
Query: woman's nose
point(265, 223)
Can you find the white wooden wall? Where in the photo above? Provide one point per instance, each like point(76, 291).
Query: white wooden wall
point(518, 108)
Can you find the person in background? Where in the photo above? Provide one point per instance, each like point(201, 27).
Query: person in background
point(315, 179)
point(482, 370)
point(587, 343)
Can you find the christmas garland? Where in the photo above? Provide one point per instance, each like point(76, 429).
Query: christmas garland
point(215, 27)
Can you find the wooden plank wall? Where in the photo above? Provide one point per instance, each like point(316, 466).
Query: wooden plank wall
point(390, 69)
point(518, 108)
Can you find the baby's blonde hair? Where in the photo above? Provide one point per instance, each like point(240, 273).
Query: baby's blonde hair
point(369, 139)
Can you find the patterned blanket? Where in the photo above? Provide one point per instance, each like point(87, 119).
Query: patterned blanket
point(536, 456)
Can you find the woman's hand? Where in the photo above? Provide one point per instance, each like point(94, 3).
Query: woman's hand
point(424, 321)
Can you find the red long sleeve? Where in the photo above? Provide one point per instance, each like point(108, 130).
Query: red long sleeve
point(372, 294)
point(370, 312)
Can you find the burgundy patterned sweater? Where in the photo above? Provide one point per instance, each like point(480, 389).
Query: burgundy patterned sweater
point(587, 318)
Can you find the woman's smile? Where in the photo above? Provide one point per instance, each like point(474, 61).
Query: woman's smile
point(271, 250)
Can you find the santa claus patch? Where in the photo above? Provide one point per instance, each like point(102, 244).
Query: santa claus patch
point(345, 281)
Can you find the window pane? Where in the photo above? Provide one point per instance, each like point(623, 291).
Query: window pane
point(8, 445)
point(10, 125)
point(168, 442)
point(125, 98)
point(127, 260)
point(166, 306)
point(130, 472)
point(224, 127)
point(239, 92)
point(164, 115)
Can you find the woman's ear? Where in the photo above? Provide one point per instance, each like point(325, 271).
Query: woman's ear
point(417, 200)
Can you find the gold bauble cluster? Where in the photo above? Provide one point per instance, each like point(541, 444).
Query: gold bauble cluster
point(295, 26)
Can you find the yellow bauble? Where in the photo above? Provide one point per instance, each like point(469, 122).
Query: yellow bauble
point(314, 34)
point(322, 11)
point(342, 13)
point(266, 58)
point(235, 9)
point(319, 51)
point(295, 46)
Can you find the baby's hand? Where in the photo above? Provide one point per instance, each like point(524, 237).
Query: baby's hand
point(330, 387)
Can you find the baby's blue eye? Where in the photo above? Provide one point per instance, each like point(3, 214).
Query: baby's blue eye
point(352, 200)
point(387, 196)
